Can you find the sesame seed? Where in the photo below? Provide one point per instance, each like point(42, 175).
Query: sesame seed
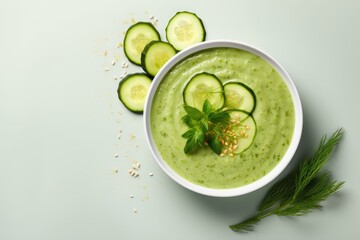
point(136, 165)
point(116, 155)
point(151, 174)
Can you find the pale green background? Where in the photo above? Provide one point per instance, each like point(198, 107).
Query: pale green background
point(60, 120)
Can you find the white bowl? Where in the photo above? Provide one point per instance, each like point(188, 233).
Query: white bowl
point(258, 183)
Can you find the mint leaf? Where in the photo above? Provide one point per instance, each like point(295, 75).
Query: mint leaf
point(193, 113)
point(190, 145)
point(188, 121)
point(196, 138)
point(219, 116)
point(207, 107)
point(214, 144)
point(189, 134)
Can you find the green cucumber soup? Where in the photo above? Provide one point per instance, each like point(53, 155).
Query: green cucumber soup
point(274, 116)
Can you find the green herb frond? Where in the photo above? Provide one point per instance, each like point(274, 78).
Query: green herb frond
point(310, 168)
point(245, 226)
point(302, 191)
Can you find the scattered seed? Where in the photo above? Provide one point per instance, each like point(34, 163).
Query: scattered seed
point(151, 174)
point(132, 137)
point(116, 155)
point(136, 166)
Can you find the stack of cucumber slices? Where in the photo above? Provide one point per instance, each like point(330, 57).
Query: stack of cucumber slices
point(143, 47)
point(235, 98)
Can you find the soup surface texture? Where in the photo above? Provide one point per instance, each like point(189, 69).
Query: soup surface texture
point(274, 116)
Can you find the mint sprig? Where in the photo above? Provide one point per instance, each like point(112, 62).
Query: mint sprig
point(204, 127)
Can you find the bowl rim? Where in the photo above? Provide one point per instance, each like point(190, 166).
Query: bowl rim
point(270, 176)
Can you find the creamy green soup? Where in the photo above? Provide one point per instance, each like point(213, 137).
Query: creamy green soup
point(274, 116)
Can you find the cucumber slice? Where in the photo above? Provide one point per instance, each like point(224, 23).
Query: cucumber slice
point(155, 55)
point(136, 38)
point(239, 96)
point(244, 126)
point(204, 86)
point(185, 29)
point(132, 91)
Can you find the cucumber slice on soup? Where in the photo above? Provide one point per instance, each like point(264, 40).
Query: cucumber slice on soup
point(204, 86)
point(239, 96)
point(244, 126)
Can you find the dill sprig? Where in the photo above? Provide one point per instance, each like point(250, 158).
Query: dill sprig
point(301, 191)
